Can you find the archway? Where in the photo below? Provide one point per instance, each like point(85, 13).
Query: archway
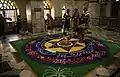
point(48, 8)
point(8, 9)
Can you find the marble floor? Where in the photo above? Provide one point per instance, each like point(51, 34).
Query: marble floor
point(97, 32)
point(101, 33)
point(24, 70)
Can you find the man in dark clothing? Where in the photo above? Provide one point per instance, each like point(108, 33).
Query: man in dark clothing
point(49, 22)
point(18, 24)
point(2, 24)
point(75, 19)
point(85, 17)
point(67, 20)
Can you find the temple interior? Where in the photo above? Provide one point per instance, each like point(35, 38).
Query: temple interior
point(59, 38)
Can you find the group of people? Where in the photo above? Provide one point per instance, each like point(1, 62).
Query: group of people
point(75, 18)
point(80, 23)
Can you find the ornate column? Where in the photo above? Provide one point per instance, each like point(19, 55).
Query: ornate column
point(37, 16)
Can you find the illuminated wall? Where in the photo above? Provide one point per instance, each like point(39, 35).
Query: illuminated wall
point(28, 13)
point(8, 8)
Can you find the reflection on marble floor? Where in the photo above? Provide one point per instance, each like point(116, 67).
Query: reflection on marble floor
point(7, 51)
point(96, 32)
point(13, 37)
point(18, 68)
point(105, 34)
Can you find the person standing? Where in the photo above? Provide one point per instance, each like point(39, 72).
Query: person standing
point(75, 19)
point(2, 24)
point(49, 22)
point(67, 20)
point(18, 23)
point(85, 17)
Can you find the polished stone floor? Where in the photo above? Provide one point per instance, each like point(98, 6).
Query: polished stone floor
point(101, 33)
point(8, 49)
point(96, 32)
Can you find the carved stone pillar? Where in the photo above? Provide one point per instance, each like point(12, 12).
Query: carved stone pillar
point(37, 16)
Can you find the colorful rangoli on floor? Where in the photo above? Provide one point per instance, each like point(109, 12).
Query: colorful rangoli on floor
point(48, 49)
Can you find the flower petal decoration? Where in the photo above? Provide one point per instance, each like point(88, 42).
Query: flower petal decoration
point(57, 72)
